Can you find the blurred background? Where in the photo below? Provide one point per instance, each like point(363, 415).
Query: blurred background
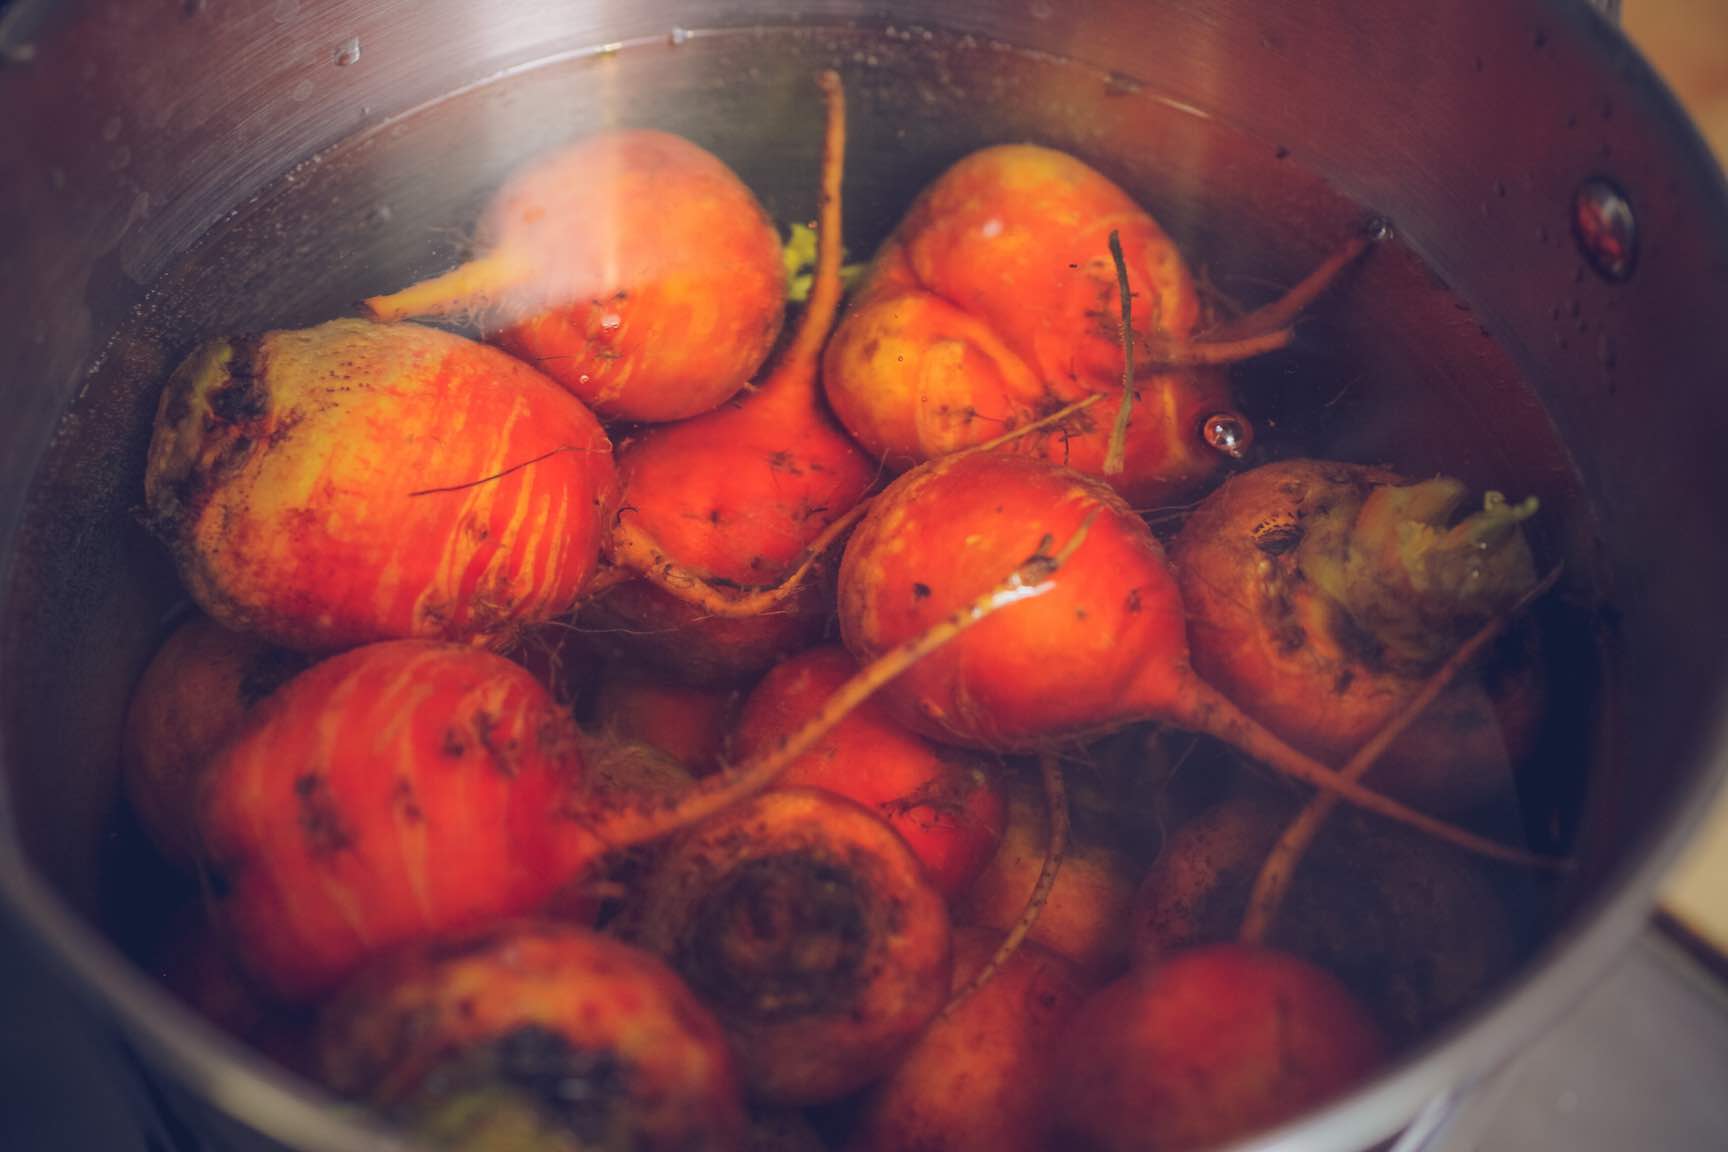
point(1687, 42)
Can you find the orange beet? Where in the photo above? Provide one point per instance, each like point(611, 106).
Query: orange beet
point(196, 690)
point(738, 495)
point(1417, 930)
point(1103, 648)
point(402, 790)
point(1102, 642)
point(947, 806)
point(996, 302)
point(533, 1035)
point(809, 928)
point(1270, 631)
point(356, 482)
point(1195, 890)
point(686, 722)
point(1211, 1045)
point(1085, 917)
point(633, 267)
point(975, 1080)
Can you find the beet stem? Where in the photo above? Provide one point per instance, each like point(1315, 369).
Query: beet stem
point(798, 362)
point(1033, 578)
point(1057, 417)
point(1279, 868)
point(794, 375)
point(457, 290)
point(1056, 799)
point(1211, 353)
point(636, 554)
point(1113, 458)
point(1282, 312)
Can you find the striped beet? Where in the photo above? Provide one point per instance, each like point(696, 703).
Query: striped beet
point(354, 482)
point(400, 791)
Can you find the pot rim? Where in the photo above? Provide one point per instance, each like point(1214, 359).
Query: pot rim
point(283, 1106)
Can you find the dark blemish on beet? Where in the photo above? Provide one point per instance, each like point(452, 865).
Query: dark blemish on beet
point(453, 745)
point(484, 723)
point(582, 1092)
point(1346, 677)
point(243, 396)
point(402, 795)
point(1275, 537)
point(1133, 602)
point(232, 457)
point(714, 516)
point(778, 937)
point(501, 752)
point(1280, 152)
point(320, 819)
point(921, 591)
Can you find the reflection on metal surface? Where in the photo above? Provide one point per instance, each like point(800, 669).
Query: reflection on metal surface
point(1228, 433)
point(1606, 231)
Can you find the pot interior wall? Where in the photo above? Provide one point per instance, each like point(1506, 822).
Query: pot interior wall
point(1457, 129)
point(1393, 368)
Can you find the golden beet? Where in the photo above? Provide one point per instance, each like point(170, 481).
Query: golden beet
point(354, 482)
point(1298, 580)
point(198, 687)
point(1213, 1044)
point(808, 927)
point(400, 791)
point(533, 1035)
point(996, 302)
point(946, 804)
point(976, 1079)
point(634, 268)
point(1086, 916)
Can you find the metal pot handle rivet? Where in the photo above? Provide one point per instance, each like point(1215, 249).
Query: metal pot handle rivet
point(1606, 231)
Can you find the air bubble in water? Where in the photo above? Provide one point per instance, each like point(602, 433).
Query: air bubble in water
point(348, 52)
point(678, 36)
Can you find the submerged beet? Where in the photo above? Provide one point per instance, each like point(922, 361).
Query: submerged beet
point(1210, 1045)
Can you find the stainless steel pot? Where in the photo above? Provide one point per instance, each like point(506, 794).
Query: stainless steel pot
point(1523, 151)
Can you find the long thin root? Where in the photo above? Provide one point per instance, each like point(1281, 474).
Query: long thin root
point(1282, 312)
point(1114, 455)
point(1056, 798)
point(636, 553)
point(1279, 869)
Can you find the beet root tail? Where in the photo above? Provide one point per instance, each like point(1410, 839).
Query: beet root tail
point(1203, 709)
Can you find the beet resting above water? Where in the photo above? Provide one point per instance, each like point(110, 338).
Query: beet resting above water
point(632, 267)
point(995, 302)
point(354, 482)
